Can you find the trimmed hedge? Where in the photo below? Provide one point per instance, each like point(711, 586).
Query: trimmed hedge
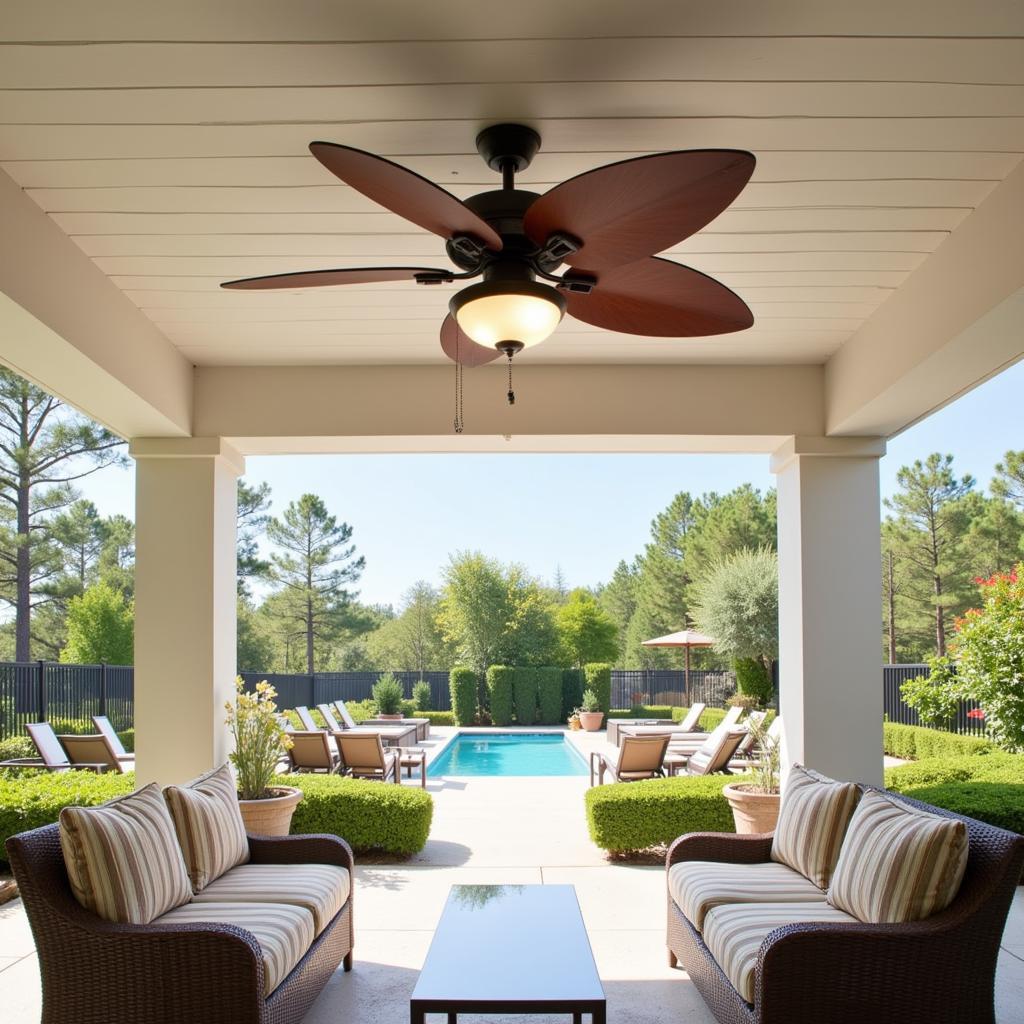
point(549, 695)
point(500, 685)
point(524, 695)
point(597, 676)
point(572, 690)
point(626, 818)
point(709, 719)
point(32, 799)
point(462, 684)
point(989, 788)
point(437, 717)
point(916, 743)
point(645, 711)
point(17, 746)
point(369, 816)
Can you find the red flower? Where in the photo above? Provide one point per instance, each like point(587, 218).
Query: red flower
point(976, 713)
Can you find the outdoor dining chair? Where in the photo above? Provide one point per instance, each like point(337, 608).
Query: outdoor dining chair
point(363, 757)
point(312, 751)
point(639, 757)
point(105, 728)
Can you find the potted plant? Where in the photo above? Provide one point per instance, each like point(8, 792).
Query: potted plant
point(573, 721)
point(388, 695)
point(259, 742)
point(755, 804)
point(590, 712)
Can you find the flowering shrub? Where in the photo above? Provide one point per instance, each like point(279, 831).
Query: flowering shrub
point(259, 738)
point(986, 659)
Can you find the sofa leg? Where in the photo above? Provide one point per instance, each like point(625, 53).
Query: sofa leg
point(672, 959)
point(347, 962)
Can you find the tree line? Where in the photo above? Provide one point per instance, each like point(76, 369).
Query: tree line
point(67, 573)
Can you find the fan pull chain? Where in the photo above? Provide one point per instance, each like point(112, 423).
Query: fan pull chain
point(459, 423)
point(511, 393)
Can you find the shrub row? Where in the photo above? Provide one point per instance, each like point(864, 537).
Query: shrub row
point(626, 818)
point(501, 689)
point(462, 683)
point(525, 695)
point(437, 717)
point(369, 816)
point(598, 677)
point(915, 743)
point(989, 788)
point(646, 711)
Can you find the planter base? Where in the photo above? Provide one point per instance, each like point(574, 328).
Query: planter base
point(753, 813)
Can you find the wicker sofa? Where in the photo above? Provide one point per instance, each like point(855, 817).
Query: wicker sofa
point(97, 972)
point(938, 969)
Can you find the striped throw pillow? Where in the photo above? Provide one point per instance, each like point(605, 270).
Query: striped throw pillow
point(813, 816)
point(123, 859)
point(898, 863)
point(209, 825)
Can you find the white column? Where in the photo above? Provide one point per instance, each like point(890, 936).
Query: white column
point(185, 621)
point(830, 654)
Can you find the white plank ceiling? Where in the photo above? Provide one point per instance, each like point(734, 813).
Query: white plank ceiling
point(169, 142)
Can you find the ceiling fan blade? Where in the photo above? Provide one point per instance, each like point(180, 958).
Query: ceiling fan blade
point(624, 211)
point(460, 348)
point(660, 299)
point(404, 192)
point(345, 275)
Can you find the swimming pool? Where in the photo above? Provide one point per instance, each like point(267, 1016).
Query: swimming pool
point(528, 753)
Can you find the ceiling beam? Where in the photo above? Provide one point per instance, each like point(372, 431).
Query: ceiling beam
point(66, 326)
point(955, 322)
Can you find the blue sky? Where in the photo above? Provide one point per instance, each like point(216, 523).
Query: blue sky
point(581, 512)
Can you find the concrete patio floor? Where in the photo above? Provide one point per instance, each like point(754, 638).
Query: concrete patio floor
point(489, 831)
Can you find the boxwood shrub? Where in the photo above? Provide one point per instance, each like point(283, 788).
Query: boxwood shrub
point(500, 684)
point(372, 817)
point(31, 799)
point(915, 743)
point(437, 717)
point(462, 684)
point(572, 690)
point(549, 695)
point(524, 693)
point(989, 788)
point(637, 815)
point(597, 676)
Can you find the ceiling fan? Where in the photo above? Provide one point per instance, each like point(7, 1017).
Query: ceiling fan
point(605, 225)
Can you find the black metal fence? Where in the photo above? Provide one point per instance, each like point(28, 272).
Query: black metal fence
point(68, 695)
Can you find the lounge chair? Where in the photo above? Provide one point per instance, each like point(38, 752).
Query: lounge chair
point(312, 751)
point(302, 713)
point(91, 750)
point(104, 727)
point(363, 757)
point(713, 755)
point(52, 756)
point(677, 734)
point(393, 732)
point(639, 757)
point(742, 762)
point(348, 722)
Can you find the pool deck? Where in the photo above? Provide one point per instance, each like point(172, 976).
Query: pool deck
point(490, 831)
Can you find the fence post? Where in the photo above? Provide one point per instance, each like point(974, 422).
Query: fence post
point(42, 691)
point(103, 688)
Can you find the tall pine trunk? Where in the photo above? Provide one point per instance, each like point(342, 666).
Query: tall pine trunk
point(940, 619)
point(23, 581)
point(309, 632)
point(891, 595)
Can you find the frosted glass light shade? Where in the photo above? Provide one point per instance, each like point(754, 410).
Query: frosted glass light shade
point(491, 313)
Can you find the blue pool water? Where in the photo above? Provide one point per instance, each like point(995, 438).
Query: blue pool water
point(509, 754)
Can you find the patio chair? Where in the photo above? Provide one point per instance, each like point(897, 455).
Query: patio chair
point(302, 712)
point(639, 757)
point(676, 734)
point(746, 747)
point(52, 756)
point(104, 727)
point(393, 732)
point(312, 751)
point(743, 762)
point(714, 754)
point(90, 751)
point(348, 722)
point(363, 757)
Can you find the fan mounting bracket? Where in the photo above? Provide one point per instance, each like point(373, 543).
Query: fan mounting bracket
point(502, 144)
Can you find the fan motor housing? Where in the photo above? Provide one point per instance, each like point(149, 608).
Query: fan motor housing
point(503, 210)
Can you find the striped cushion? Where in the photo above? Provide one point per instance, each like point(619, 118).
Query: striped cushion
point(122, 858)
point(319, 888)
point(209, 825)
point(284, 933)
point(734, 934)
point(812, 822)
point(898, 863)
point(698, 886)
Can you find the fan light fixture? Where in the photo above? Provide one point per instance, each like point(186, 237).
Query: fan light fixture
point(508, 314)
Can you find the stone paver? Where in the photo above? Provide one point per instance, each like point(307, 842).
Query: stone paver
point(491, 831)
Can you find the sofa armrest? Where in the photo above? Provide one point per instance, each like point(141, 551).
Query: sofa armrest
point(301, 849)
point(720, 846)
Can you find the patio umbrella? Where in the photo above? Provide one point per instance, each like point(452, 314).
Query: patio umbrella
point(686, 638)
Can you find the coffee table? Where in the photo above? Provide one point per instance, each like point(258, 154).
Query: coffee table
point(509, 949)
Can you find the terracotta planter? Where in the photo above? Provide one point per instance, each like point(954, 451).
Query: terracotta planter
point(591, 720)
point(390, 718)
point(752, 812)
point(273, 815)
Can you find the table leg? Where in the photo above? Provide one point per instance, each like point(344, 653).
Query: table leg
point(452, 1018)
point(416, 1015)
point(577, 1018)
point(598, 1015)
